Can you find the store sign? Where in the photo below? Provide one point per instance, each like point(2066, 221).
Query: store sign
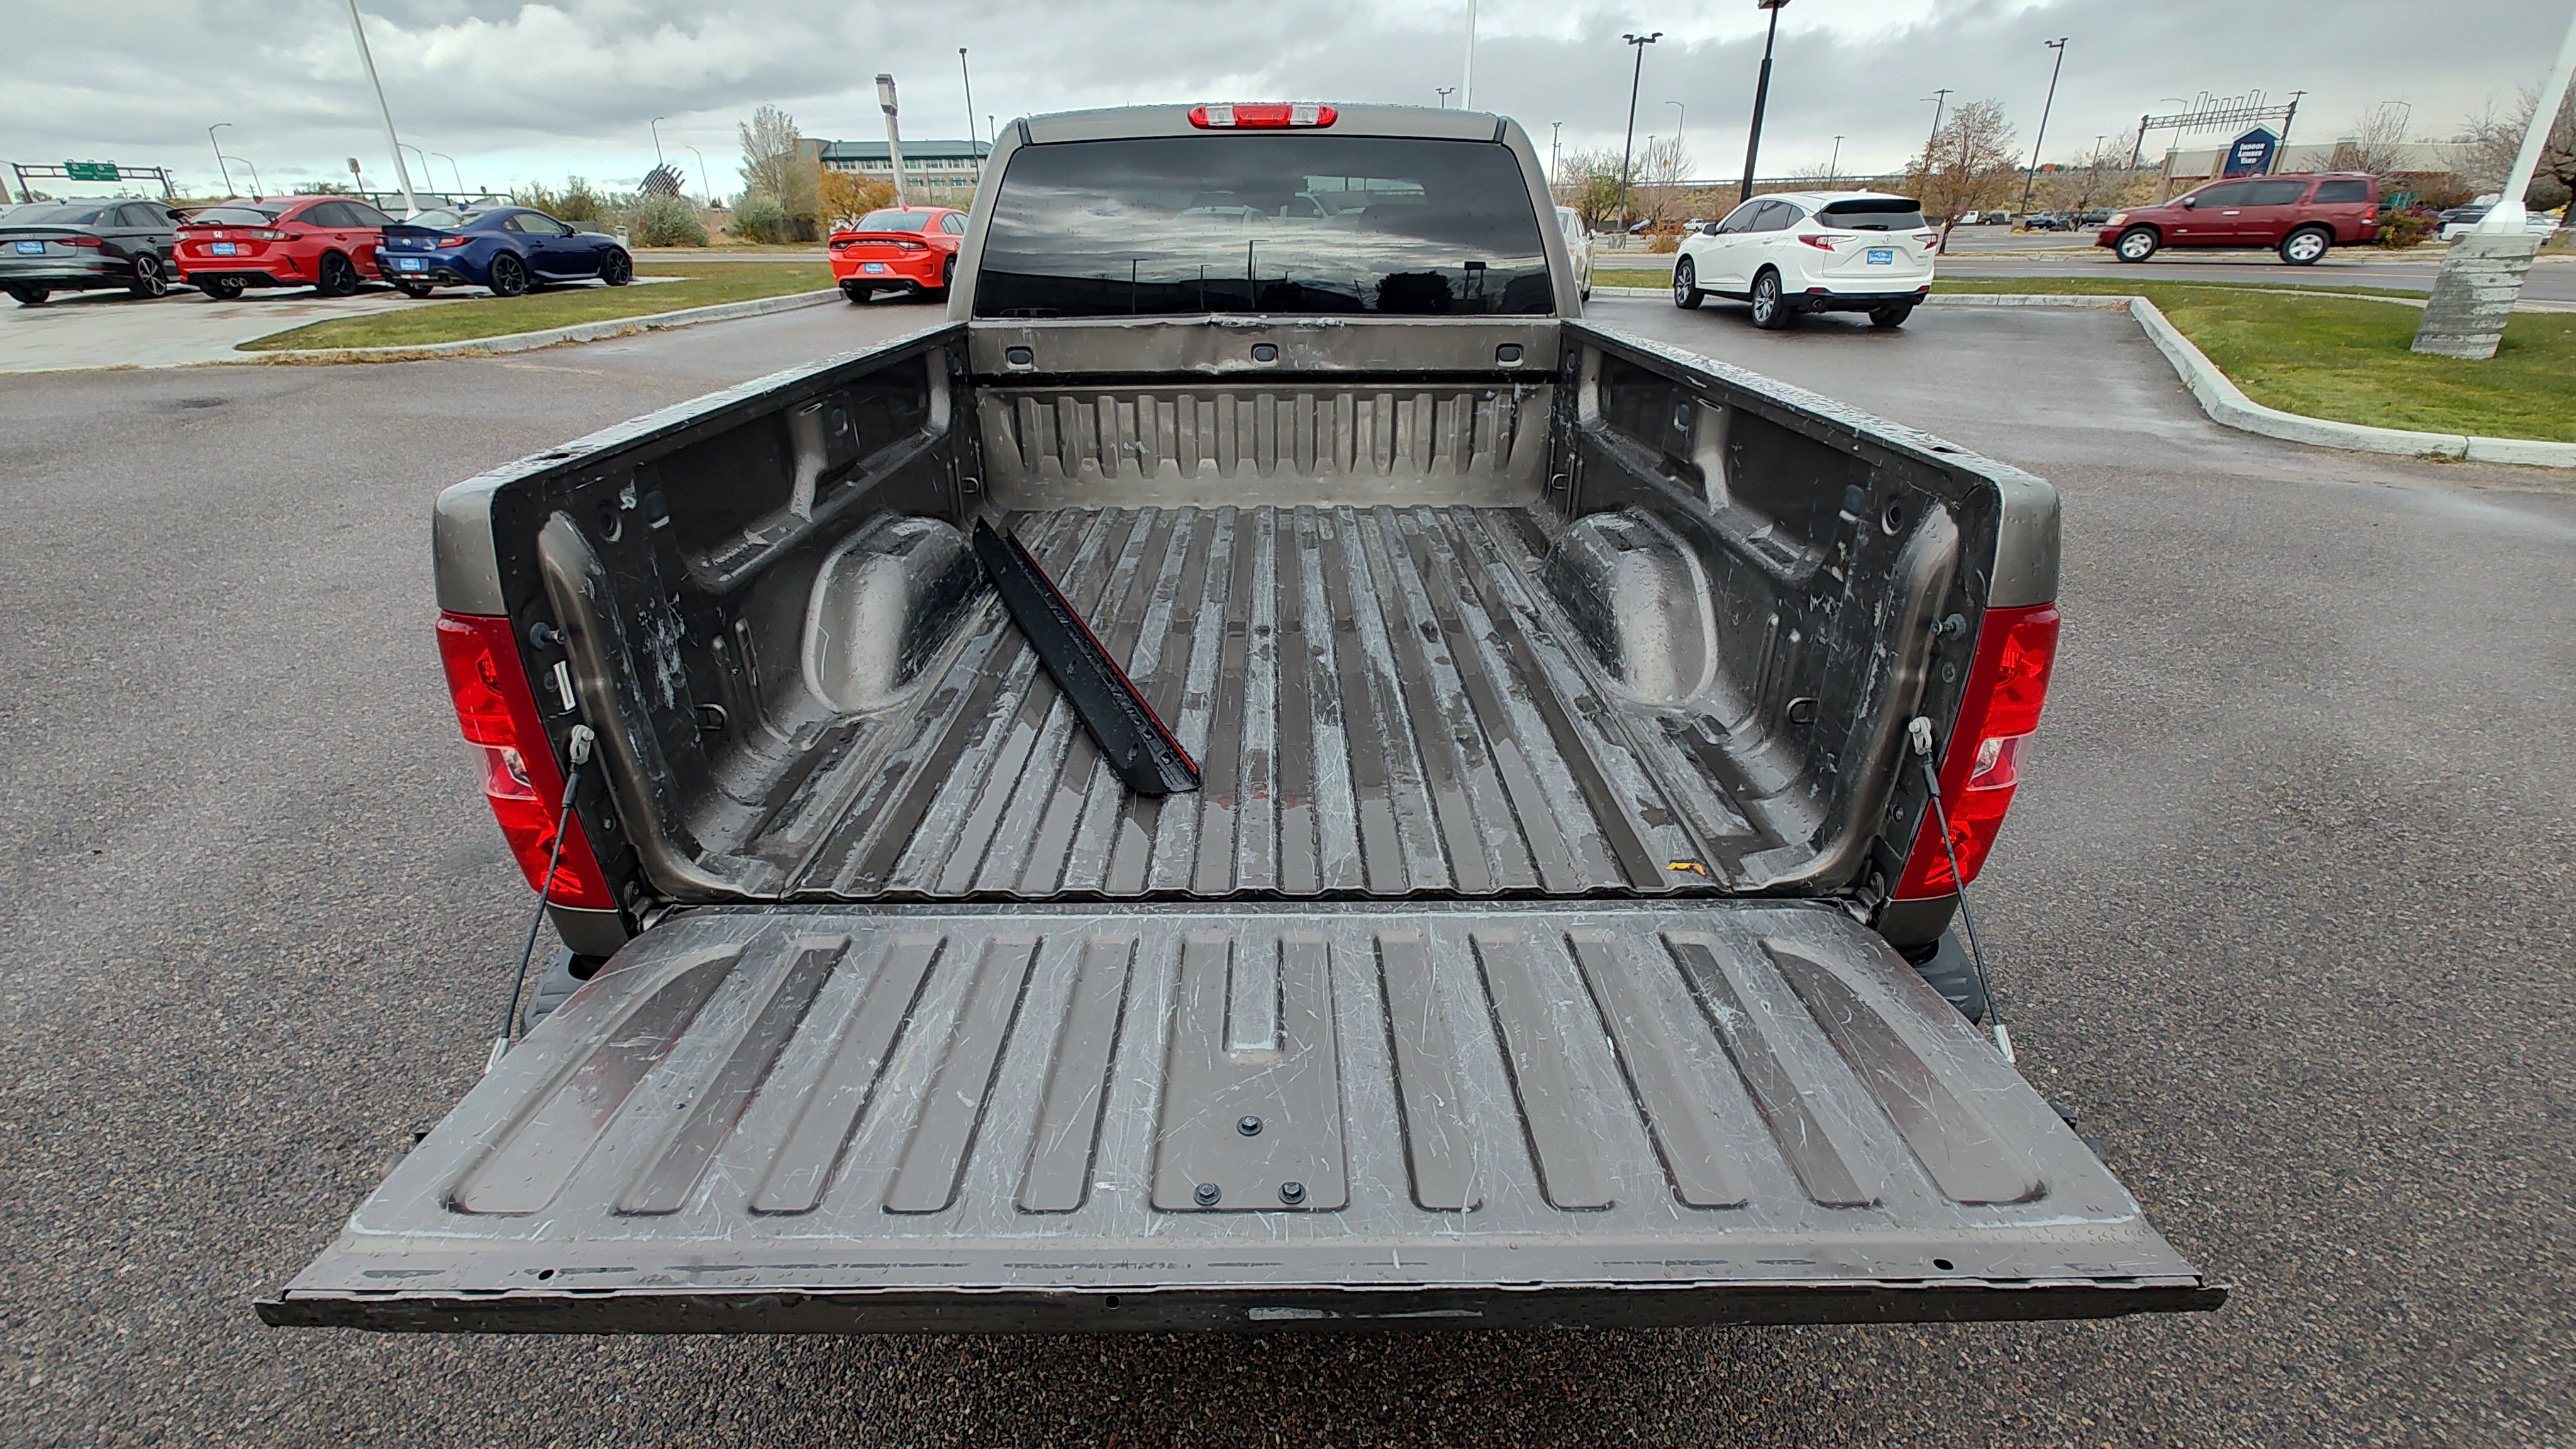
point(2251, 154)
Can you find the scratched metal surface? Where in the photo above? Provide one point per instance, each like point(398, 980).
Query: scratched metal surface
point(1380, 700)
point(918, 1116)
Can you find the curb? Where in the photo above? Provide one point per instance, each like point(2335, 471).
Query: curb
point(2227, 404)
point(551, 337)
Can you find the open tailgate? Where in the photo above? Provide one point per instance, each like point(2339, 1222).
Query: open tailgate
point(1077, 1119)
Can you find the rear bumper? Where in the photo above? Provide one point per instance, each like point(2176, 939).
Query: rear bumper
point(247, 279)
point(65, 274)
point(904, 272)
point(1825, 299)
point(441, 271)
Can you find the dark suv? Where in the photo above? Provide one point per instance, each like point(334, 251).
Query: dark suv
point(2301, 217)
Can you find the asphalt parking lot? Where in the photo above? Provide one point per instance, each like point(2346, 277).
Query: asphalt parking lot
point(2284, 908)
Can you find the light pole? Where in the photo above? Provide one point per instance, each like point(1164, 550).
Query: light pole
point(1555, 149)
point(894, 137)
point(1445, 93)
point(1940, 100)
point(1679, 120)
point(702, 173)
point(358, 28)
point(1628, 148)
point(218, 143)
point(1761, 98)
point(2483, 272)
point(1834, 168)
point(452, 171)
point(1467, 81)
point(656, 125)
point(2030, 177)
point(968, 77)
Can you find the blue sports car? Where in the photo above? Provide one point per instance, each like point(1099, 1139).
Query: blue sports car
point(508, 249)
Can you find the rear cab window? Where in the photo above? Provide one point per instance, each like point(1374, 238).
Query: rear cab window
point(2331, 193)
point(1280, 224)
point(1872, 213)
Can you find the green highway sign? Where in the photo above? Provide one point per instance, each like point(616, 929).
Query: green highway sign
point(90, 170)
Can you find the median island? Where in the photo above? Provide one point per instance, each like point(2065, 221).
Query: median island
point(702, 283)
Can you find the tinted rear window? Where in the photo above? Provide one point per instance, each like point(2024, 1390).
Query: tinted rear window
point(2275, 193)
point(1874, 213)
point(894, 221)
point(2333, 191)
point(60, 216)
point(438, 219)
point(1293, 224)
point(236, 216)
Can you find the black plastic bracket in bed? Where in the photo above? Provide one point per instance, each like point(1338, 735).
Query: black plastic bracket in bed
point(1131, 736)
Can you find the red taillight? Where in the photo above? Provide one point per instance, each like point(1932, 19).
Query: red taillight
point(453, 241)
point(2007, 685)
point(499, 717)
point(1264, 116)
point(1820, 243)
point(93, 243)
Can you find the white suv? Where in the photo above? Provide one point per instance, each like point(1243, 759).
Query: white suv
point(1813, 251)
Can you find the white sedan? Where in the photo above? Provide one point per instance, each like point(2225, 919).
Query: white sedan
point(1813, 251)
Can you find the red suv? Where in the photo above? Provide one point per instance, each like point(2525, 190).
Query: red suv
point(327, 243)
point(2301, 217)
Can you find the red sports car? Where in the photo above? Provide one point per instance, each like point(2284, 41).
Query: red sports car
point(907, 249)
point(327, 243)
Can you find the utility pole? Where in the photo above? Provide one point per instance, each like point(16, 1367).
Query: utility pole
point(968, 77)
point(1445, 93)
point(1940, 100)
point(1555, 148)
point(894, 136)
point(1834, 168)
point(702, 173)
point(2483, 272)
point(219, 156)
point(2286, 122)
point(2030, 177)
point(1467, 82)
point(358, 28)
point(1628, 148)
point(1761, 99)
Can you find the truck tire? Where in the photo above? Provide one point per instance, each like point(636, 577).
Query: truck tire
point(1945, 964)
point(2303, 247)
point(1770, 309)
point(1686, 292)
point(2136, 244)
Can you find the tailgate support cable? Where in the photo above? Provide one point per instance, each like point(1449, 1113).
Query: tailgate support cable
point(582, 738)
point(1919, 731)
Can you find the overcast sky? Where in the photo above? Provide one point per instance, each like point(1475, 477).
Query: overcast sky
point(515, 90)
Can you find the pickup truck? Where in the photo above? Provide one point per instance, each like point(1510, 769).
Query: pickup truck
point(1540, 946)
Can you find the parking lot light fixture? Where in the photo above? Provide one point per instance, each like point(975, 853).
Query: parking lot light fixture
point(894, 135)
point(702, 173)
point(656, 125)
point(1445, 93)
point(1628, 148)
point(2030, 177)
point(219, 156)
point(367, 58)
point(452, 170)
point(1761, 98)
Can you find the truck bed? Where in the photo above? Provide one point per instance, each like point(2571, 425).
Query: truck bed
point(1383, 703)
point(1065, 1118)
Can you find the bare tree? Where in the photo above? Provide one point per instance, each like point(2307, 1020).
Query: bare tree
point(774, 164)
point(1661, 169)
point(2377, 143)
point(2495, 140)
point(1588, 181)
point(1972, 163)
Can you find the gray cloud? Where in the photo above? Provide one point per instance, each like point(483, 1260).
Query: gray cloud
point(541, 89)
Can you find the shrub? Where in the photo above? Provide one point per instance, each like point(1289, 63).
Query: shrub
point(761, 219)
point(2399, 230)
point(665, 221)
point(1665, 242)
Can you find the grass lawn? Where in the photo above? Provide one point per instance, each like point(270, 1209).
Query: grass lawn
point(707, 285)
point(2348, 359)
point(1659, 279)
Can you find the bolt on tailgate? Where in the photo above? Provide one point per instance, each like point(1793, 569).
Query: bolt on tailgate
point(1074, 1120)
